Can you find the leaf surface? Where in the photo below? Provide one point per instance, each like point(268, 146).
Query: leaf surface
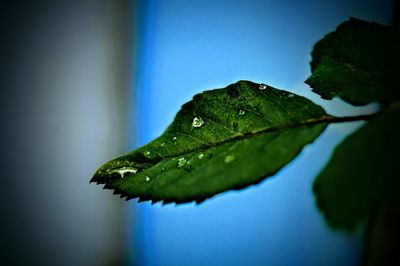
point(363, 171)
point(223, 139)
point(359, 62)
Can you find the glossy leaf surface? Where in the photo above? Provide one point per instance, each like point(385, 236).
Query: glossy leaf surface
point(223, 139)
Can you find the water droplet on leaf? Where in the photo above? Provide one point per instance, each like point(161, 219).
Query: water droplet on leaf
point(229, 158)
point(197, 122)
point(124, 171)
point(262, 87)
point(181, 162)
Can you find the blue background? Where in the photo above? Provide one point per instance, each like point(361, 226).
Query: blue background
point(185, 47)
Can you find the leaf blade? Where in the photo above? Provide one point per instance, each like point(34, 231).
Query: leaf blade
point(362, 171)
point(237, 121)
point(358, 62)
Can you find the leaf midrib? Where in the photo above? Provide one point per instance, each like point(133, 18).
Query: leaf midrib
point(248, 135)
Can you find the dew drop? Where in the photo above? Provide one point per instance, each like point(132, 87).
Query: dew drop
point(197, 122)
point(242, 112)
point(262, 87)
point(147, 153)
point(200, 156)
point(123, 171)
point(229, 158)
point(181, 162)
point(147, 178)
point(290, 95)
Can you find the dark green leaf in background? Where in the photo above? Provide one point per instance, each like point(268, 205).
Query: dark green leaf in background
point(359, 62)
point(223, 139)
point(363, 171)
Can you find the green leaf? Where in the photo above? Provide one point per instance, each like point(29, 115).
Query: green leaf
point(363, 171)
point(221, 140)
point(359, 62)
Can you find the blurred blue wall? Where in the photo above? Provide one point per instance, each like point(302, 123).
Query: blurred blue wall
point(185, 47)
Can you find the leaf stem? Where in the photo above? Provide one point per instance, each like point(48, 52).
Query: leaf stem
point(342, 119)
point(327, 119)
point(336, 119)
point(323, 119)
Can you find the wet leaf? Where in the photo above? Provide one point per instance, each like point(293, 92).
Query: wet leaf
point(223, 139)
point(359, 62)
point(363, 172)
